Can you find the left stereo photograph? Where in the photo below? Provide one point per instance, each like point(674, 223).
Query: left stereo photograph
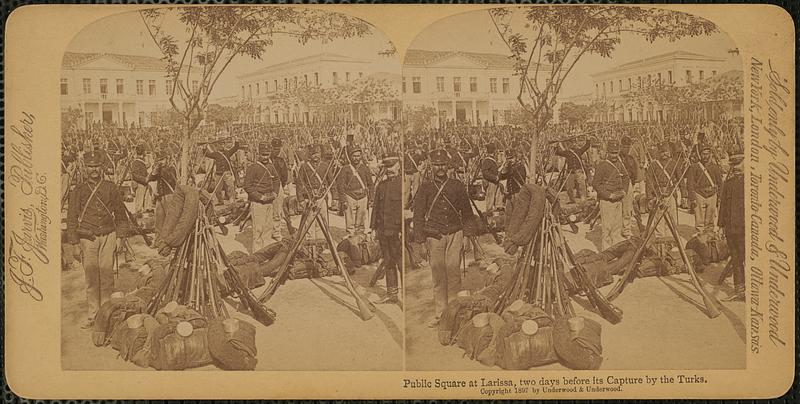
point(231, 192)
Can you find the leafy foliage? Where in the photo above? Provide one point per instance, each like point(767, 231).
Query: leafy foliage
point(575, 114)
point(419, 117)
point(70, 119)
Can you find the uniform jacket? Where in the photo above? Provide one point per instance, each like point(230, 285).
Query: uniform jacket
point(514, 175)
point(731, 205)
point(489, 169)
point(412, 162)
point(697, 181)
point(139, 171)
point(222, 158)
point(348, 184)
point(610, 177)
point(166, 177)
point(387, 213)
point(311, 178)
point(261, 180)
point(104, 212)
point(573, 156)
point(282, 168)
point(448, 212)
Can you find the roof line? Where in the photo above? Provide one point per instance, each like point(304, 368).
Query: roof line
point(637, 63)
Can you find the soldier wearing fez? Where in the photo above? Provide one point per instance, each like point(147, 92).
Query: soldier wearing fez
point(731, 221)
point(386, 221)
point(262, 184)
point(96, 220)
point(611, 181)
point(441, 207)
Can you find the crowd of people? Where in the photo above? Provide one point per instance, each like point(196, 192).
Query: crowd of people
point(112, 177)
point(624, 168)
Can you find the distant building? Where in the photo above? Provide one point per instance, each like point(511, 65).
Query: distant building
point(615, 89)
point(114, 89)
point(274, 92)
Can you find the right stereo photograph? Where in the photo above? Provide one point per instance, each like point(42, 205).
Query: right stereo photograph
point(573, 191)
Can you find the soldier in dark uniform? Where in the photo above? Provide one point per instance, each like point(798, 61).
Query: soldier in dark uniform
point(441, 207)
point(223, 167)
point(703, 179)
point(731, 221)
point(165, 175)
point(632, 168)
point(661, 181)
point(515, 174)
point(491, 176)
point(611, 181)
point(139, 175)
point(413, 168)
point(576, 179)
point(262, 183)
point(313, 177)
point(96, 220)
point(283, 175)
point(386, 221)
point(355, 186)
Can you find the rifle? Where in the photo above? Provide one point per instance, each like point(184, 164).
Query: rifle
point(262, 314)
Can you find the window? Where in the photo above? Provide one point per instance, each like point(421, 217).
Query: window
point(473, 84)
point(440, 84)
point(639, 80)
point(596, 90)
point(305, 79)
point(669, 76)
point(611, 85)
point(416, 83)
point(276, 85)
point(620, 86)
point(629, 84)
point(243, 92)
point(659, 78)
point(604, 89)
point(493, 85)
point(170, 83)
point(63, 86)
point(139, 87)
point(506, 85)
point(404, 84)
point(151, 87)
point(457, 84)
point(103, 86)
point(347, 76)
point(701, 74)
point(258, 88)
point(120, 86)
point(688, 76)
point(713, 73)
point(87, 86)
point(285, 84)
point(335, 78)
point(316, 79)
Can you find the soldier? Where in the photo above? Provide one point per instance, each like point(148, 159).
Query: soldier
point(576, 177)
point(631, 166)
point(139, 175)
point(312, 179)
point(356, 186)
point(514, 173)
point(731, 220)
point(223, 168)
point(413, 168)
point(703, 179)
point(283, 175)
point(491, 176)
point(262, 183)
point(441, 207)
point(611, 182)
point(661, 181)
point(96, 218)
point(386, 221)
point(165, 175)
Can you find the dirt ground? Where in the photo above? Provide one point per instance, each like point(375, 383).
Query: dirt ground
point(664, 325)
point(317, 327)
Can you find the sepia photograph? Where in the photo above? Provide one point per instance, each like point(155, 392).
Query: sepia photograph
point(574, 191)
point(230, 192)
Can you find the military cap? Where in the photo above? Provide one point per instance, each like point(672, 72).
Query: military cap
point(277, 142)
point(312, 149)
point(264, 148)
point(612, 146)
point(626, 141)
point(140, 149)
point(353, 150)
point(390, 160)
point(439, 156)
point(491, 148)
point(93, 159)
point(736, 154)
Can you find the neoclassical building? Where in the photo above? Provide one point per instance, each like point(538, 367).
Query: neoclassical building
point(616, 89)
point(274, 92)
point(115, 89)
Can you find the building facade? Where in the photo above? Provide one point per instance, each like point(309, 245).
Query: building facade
point(274, 93)
point(114, 89)
point(616, 89)
point(464, 87)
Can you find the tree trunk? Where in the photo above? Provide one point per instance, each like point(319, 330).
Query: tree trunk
point(183, 167)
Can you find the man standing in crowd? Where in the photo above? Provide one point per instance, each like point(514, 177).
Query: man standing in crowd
point(441, 207)
point(262, 183)
point(661, 182)
point(355, 184)
point(96, 217)
point(731, 221)
point(514, 173)
point(311, 181)
point(223, 168)
point(611, 181)
point(140, 178)
point(632, 170)
point(703, 180)
point(576, 177)
point(413, 168)
point(386, 221)
point(491, 175)
point(283, 175)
